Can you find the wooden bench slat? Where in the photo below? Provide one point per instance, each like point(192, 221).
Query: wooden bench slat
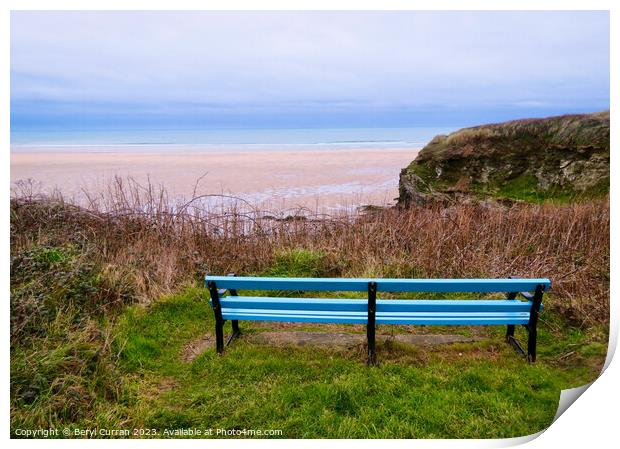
point(442, 320)
point(325, 304)
point(382, 318)
point(383, 305)
point(457, 305)
point(383, 285)
point(334, 313)
point(230, 311)
point(361, 319)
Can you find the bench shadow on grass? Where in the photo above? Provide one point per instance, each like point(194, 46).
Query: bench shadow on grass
point(461, 390)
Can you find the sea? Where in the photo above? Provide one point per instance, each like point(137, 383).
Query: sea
point(239, 139)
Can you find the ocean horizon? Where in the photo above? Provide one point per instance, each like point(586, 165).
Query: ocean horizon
point(247, 139)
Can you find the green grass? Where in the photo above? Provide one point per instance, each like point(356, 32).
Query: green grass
point(56, 283)
point(129, 369)
point(297, 262)
point(525, 188)
point(473, 390)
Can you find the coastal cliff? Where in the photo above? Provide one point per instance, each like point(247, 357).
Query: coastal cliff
point(533, 160)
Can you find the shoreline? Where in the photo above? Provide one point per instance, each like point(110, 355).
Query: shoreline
point(198, 148)
point(322, 179)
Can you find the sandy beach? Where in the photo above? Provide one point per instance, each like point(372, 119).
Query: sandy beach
point(317, 179)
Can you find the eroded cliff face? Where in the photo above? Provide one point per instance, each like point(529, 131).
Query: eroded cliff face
point(533, 160)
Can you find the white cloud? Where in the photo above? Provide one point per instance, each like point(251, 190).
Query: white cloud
point(270, 59)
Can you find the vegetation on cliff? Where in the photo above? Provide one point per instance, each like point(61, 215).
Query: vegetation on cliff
point(556, 158)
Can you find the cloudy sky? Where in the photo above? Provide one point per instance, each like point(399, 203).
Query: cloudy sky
point(303, 69)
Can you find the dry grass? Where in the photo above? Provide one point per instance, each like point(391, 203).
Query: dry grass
point(136, 235)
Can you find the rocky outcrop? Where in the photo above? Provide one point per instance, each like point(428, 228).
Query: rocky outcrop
point(533, 160)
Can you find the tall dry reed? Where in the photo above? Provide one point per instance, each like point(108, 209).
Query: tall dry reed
point(136, 232)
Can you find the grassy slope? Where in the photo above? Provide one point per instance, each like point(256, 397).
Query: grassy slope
point(476, 390)
point(473, 390)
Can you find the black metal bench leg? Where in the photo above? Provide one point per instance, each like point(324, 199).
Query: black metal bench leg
point(533, 323)
point(531, 345)
point(510, 332)
point(370, 327)
point(219, 337)
point(236, 332)
point(512, 341)
point(510, 329)
point(235, 327)
point(219, 321)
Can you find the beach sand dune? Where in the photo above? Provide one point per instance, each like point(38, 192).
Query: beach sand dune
point(318, 179)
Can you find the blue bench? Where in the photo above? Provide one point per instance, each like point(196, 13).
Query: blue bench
point(372, 311)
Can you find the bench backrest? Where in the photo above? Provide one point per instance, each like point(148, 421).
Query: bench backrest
point(383, 285)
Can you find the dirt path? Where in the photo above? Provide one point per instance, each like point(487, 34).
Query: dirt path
point(335, 340)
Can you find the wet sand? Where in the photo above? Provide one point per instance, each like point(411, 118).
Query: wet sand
point(318, 179)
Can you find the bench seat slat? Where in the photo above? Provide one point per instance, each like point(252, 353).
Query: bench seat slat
point(383, 305)
point(326, 304)
point(443, 320)
point(383, 285)
point(334, 313)
point(381, 318)
point(448, 305)
point(299, 318)
point(228, 311)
